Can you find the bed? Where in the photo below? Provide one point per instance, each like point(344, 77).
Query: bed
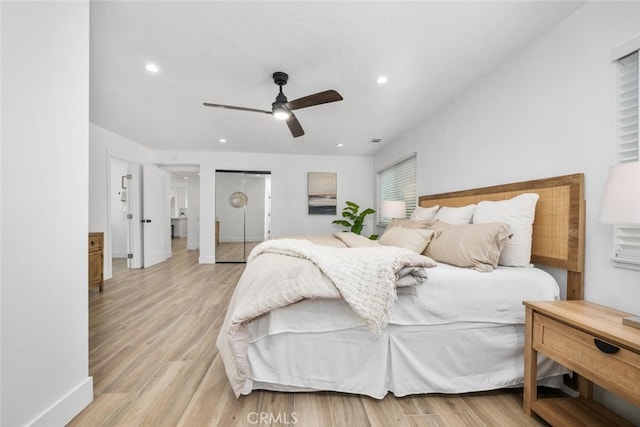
point(461, 330)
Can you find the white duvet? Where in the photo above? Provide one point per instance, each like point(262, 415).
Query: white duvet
point(449, 296)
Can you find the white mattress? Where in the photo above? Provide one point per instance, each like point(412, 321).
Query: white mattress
point(451, 295)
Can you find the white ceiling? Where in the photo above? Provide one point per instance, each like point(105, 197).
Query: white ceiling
point(226, 52)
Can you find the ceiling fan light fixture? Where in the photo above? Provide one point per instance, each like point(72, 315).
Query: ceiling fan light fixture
point(282, 109)
point(152, 68)
point(280, 112)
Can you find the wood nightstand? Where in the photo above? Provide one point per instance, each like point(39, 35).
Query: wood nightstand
point(591, 340)
point(96, 259)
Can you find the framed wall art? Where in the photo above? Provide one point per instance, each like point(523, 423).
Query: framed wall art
point(322, 193)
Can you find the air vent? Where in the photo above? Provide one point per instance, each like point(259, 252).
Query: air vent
point(375, 141)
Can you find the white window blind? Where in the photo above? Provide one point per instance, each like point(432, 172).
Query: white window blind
point(627, 238)
point(397, 182)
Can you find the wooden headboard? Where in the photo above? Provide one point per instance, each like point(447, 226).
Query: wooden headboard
point(558, 230)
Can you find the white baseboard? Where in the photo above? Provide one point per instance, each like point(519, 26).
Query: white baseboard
point(207, 260)
point(68, 407)
point(193, 246)
point(118, 254)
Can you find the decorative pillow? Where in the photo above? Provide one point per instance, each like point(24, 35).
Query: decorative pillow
point(424, 213)
point(519, 212)
point(414, 239)
point(353, 240)
point(468, 245)
point(455, 216)
point(408, 223)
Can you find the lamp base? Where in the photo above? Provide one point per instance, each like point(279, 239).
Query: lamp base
point(633, 321)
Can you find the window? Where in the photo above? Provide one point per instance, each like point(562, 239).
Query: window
point(397, 182)
point(627, 238)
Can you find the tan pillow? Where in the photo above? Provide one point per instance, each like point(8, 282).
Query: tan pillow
point(353, 240)
point(408, 223)
point(477, 246)
point(414, 239)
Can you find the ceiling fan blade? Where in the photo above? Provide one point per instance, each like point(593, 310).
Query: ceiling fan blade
point(294, 126)
point(231, 107)
point(315, 99)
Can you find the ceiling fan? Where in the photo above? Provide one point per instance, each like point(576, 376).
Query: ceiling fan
point(282, 109)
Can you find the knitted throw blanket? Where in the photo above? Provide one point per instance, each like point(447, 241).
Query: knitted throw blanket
point(365, 276)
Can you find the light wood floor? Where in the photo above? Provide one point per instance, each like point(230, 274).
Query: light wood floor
point(234, 252)
point(153, 360)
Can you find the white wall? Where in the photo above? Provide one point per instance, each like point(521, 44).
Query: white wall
point(45, 108)
point(288, 188)
point(549, 111)
point(104, 146)
point(193, 223)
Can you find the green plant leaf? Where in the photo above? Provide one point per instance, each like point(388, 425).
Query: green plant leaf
point(350, 212)
point(347, 214)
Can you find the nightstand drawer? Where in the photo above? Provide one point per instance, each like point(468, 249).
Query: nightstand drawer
point(615, 368)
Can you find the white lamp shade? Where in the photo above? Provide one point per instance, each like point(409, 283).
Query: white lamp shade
point(394, 209)
point(621, 201)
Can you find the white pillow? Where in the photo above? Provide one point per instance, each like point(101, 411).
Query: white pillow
point(456, 216)
point(519, 212)
point(424, 213)
point(414, 239)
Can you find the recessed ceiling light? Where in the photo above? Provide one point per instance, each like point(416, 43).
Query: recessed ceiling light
point(152, 68)
point(382, 80)
point(339, 144)
point(223, 141)
point(186, 177)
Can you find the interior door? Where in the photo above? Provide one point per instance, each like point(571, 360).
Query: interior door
point(156, 229)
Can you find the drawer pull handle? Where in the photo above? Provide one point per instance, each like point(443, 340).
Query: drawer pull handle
point(605, 347)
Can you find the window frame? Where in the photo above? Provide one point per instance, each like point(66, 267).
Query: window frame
point(406, 168)
point(626, 238)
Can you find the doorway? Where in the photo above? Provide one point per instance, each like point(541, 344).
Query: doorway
point(243, 213)
point(184, 199)
point(121, 207)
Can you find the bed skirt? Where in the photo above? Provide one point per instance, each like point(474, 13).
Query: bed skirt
point(405, 360)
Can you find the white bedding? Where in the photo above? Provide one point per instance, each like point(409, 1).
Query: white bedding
point(450, 295)
point(461, 331)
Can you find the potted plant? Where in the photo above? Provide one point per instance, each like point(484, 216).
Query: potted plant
point(353, 219)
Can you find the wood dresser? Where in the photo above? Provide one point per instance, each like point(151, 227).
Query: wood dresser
point(591, 340)
point(96, 260)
